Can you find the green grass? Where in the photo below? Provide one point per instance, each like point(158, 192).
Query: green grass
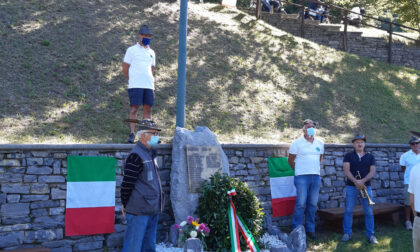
point(390, 238)
point(61, 81)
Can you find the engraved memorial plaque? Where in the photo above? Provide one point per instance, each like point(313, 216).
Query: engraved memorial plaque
point(202, 162)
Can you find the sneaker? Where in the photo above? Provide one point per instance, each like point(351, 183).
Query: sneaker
point(346, 237)
point(311, 235)
point(373, 240)
point(408, 225)
point(131, 138)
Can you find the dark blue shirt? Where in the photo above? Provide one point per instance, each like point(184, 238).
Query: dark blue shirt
point(359, 164)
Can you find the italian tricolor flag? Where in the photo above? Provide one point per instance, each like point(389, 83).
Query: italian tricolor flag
point(90, 203)
point(283, 190)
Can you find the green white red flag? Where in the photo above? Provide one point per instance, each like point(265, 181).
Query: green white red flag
point(90, 202)
point(237, 224)
point(283, 190)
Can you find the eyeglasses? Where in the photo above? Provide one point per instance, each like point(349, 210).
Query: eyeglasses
point(415, 143)
point(152, 133)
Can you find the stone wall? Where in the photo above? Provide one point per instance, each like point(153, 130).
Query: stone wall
point(33, 188)
point(330, 35)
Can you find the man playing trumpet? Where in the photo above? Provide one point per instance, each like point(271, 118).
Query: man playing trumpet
point(359, 168)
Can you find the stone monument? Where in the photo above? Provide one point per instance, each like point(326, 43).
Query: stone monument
point(206, 157)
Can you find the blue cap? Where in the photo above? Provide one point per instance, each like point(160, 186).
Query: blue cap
point(144, 30)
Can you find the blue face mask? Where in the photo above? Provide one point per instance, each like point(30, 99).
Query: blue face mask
point(153, 140)
point(311, 132)
point(145, 41)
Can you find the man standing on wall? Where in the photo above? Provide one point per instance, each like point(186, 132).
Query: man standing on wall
point(141, 192)
point(359, 168)
point(407, 161)
point(414, 190)
point(138, 68)
point(305, 155)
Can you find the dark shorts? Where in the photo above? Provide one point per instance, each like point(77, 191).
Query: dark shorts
point(141, 96)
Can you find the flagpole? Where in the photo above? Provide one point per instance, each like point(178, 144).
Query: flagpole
point(182, 61)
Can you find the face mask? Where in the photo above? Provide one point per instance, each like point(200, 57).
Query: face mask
point(145, 41)
point(311, 132)
point(153, 140)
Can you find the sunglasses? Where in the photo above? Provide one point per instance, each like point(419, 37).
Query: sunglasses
point(415, 143)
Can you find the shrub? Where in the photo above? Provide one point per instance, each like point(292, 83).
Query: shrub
point(213, 205)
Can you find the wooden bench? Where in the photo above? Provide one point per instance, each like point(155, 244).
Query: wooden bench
point(29, 250)
point(333, 214)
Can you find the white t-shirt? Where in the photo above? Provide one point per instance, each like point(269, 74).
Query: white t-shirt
point(141, 61)
point(414, 186)
point(409, 160)
point(354, 16)
point(307, 156)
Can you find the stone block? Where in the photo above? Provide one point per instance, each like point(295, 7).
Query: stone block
point(14, 220)
point(250, 166)
point(16, 227)
point(20, 170)
point(330, 170)
point(48, 161)
point(256, 160)
point(40, 153)
point(39, 212)
point(60, 155)
point(51, 179)
point(384, 175)
point(29, 178)
point(14, 209)
point(88, 246)
point(47, 203)
point(244, 160)
point(39, 170)
point(239, 167)
point(39, 236)
point(339, 162)
point(3, 197)
point(11, 239)
point(34, 161)
point(9, 162)
point(327, 181)
point(14, 155)
point(31, 198)
point(13, 198)
point(394, 176)
point(114, 240)
point(338, 183)
point(58, 194)
point(46, 222)
point(10, 178)
point(56, 167)
point(238, 153)
point(250, 153)
point(323, 197)
point(15, 188)
point(40, 189)
point(58, 243)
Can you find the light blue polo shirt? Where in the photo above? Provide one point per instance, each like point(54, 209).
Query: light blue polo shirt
point(409, 160)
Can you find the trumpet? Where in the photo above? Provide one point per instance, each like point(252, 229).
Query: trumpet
point(363, 192)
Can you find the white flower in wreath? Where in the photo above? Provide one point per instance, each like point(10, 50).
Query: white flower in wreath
point(183, 223)
point(193, 234)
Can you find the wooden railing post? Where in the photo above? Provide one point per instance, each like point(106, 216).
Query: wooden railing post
point(302, 21)
point(390, 43)
point(258, 9)
point(345, 31)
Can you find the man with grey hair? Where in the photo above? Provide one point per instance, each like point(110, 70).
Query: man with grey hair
point(407, 161)
point(305, 155)
point(141, 192)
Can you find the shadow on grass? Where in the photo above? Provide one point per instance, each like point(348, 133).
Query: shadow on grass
point(237, 79)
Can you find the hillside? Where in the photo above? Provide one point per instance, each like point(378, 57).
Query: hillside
point(61, 80)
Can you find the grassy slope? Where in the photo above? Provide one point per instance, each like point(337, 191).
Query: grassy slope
point(60, 65)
